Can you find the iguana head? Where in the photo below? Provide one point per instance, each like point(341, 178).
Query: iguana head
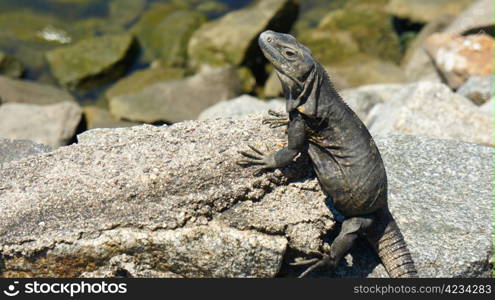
point(289, 58)
point(295, 67)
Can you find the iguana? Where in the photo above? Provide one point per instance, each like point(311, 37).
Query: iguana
point(344, 156)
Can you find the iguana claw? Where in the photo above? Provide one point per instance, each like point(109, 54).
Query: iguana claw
point(280, 119)
point(266, 161)
point(315, 263)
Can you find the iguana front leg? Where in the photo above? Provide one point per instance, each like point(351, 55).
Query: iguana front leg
point(296, 141)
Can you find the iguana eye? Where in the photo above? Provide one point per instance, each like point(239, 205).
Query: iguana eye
point(289, 53)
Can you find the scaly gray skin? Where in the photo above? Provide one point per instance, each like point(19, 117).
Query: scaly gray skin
point(344, 156)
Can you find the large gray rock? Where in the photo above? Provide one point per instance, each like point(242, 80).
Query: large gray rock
point(170, 201)
point(431, 109)
point(52, 125)
point(24, 91)
point(177, 100)
point(362, 99)
point(113, 197)
point(16, 149)
point(240, 106)
point(487, 108)
point(440, 193)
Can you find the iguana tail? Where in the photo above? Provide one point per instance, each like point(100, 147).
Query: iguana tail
point(391, 247)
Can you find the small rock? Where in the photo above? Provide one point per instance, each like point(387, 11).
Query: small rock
point(475, 19)
point(424, 11)
point(232, 39)
point(433, 110)
point(24, 91)
point(91, 62)
point(240, 106)
point(10, 66)
point(140, 79)
point(273, 87)
point(478, 88)
point(459, 57)
point(52, 125)
point(101, 118)
point(11, 150)
point(177, 100)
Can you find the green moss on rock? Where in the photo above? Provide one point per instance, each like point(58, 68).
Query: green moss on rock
point(170, 37)
point(140, 79)
point(344, 33)
point(10, 66)
point(145, 27)
point(230, 39)
point(91, 62)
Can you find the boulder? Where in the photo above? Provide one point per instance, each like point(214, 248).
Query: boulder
point(365, 72)
point(11, 150)
point(354, 30)
point(24, 91)
point(357, 43)
point(477, 18)
point(478, 89)
point(232, 39)
point(240, 106)
point(424, 11)
point(170, 201)
point(140, 79)
point(459, 57)
point(91, 62)
point(170, 37)
point(52, 125)
point(433, 110)
point(177, 100)
point(124, 12)
point(416, 63)
point(145, 27)
point(440, 194)
point(362, 99)
point(10, 66)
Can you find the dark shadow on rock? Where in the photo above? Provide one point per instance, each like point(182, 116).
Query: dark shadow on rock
point(81, 127)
